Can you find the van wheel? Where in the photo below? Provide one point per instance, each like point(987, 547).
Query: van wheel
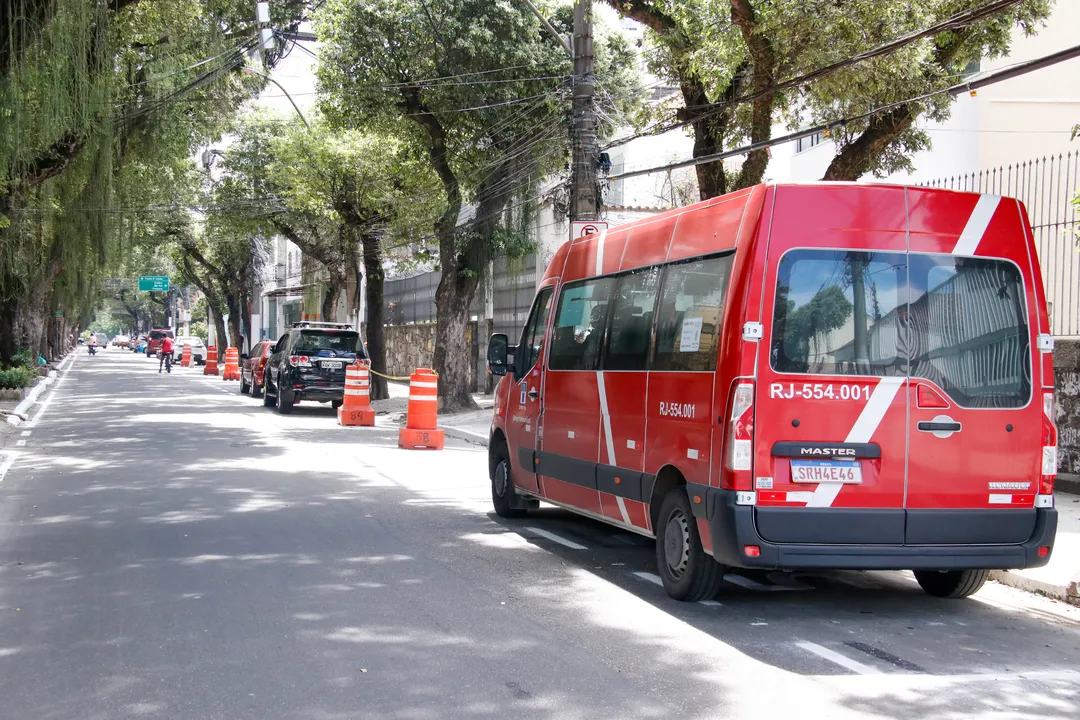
point(502, 484)
point(951, 583)
point(688, 573)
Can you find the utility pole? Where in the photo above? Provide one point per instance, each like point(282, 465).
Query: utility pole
point(583, 190)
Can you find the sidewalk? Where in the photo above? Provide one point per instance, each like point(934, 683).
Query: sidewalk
point(1060, 578)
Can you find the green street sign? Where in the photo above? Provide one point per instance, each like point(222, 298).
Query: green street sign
point(154, 283)
point(59, 313)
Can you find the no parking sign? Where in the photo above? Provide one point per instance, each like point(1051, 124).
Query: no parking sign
point(584, 228)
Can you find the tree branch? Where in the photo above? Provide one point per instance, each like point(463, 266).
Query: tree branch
point(763, 74)
point(646, 13)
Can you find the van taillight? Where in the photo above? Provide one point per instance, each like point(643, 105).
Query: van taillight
point(739, 454)
point(1049, 446)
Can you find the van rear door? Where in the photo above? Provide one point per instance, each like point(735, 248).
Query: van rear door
point(831, 408)
point(976, 420)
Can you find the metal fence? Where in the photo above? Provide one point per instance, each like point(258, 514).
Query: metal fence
point(1047, 187)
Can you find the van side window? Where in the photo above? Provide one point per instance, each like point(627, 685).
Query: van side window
point(837, 313)
point(532, 336)
point(690, 312)
point(579, 325)
point(631, 320)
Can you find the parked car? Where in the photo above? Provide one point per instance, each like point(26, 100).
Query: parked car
point(153, 345)
point(139, 345)
point(102, 340)
point(198, 349)
point(251, 368)
point(308, 363)
point(122, 341)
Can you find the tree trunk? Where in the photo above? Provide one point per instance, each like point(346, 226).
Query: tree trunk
point(453, 355)
point(220, 335)
point(376, 342)
point(328, 312)
point(235, 330)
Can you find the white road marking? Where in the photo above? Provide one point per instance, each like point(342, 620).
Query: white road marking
point(25, 433)
point(650, 577)
point(20, 443)
point(841, 660)
point(9, 460)
point(710, 603)
point(555, 538)
point(973, 232)
point(53, 394)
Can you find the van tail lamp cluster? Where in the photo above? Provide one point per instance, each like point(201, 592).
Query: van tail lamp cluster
point(1049, 447)
point(739, 460)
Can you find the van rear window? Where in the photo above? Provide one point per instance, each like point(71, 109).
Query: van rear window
point(960, 322)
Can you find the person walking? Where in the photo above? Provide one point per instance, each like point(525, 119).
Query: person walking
point(166, 354)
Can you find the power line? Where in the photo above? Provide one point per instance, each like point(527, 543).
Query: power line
point(1019, 69)
point(959, 20)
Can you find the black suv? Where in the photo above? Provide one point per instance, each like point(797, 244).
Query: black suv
point(308, 363)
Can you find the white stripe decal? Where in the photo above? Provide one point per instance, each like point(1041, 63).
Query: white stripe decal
point(600, 252)
point(608, 439)
point(861, 432)
point(969, 239)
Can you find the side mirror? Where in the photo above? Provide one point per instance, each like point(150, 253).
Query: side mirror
point(243, 356)
point(497, 354)
point(273, 349)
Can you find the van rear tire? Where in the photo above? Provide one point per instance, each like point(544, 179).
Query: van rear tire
point(688, 573)
point(502, 484)
point(951, 583)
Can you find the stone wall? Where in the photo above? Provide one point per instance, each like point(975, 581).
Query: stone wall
point(1067, 387)
point(411, 346)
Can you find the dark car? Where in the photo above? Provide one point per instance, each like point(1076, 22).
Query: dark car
point(252, 366)
point(308, 363)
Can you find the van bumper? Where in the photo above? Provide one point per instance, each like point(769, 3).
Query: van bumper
point(732, 527)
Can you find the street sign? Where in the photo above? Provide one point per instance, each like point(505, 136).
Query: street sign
point(59, 313)
point(584, 228)
point(154, 283)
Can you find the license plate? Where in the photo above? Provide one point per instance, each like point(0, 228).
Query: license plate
point(816, 471)
point(332, 364)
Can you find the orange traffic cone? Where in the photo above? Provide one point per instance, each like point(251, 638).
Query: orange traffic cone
point(356, 409)
point(211, 361)
point(185, 357)
point(421, 422)
point(232, 364)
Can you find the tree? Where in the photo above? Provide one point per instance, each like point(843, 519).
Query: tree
point(719, 51)
point(479, 87)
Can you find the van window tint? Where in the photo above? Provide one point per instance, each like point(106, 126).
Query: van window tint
point(688, 321)
point(631, 320)
point(835, 313)
point(967, 329)
point(579, 325)
point(532, 336)
point(958, 322)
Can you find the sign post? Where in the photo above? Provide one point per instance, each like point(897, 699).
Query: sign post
point(154, 283)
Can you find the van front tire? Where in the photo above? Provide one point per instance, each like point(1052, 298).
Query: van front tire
point(687, 571)
point(952, 583)
point(502, 485)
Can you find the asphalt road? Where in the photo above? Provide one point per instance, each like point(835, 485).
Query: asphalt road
point(171, 549)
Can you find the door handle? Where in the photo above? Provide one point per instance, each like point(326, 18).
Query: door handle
point(939, 426)
point(533, 393)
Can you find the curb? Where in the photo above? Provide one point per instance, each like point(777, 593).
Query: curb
point(1067, 483)
point(20, 414)
point(466, 435)
point(1069, 593)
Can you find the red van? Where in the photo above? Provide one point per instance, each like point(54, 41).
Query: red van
point(790, 377)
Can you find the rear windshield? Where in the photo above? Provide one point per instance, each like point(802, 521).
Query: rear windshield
point(327, 343)
point(958, 322)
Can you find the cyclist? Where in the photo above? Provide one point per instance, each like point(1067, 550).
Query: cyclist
point(166, 354)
